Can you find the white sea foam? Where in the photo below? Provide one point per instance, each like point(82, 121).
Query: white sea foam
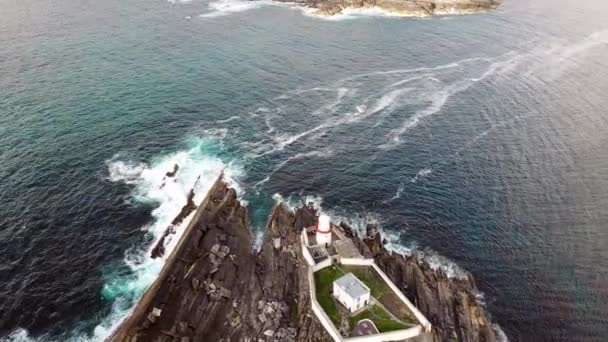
point(420, 174)
point(350, 13)
point(500, 334)
point(199, 166)
point(226, 7)
point(554, 61)
point(232, 118)
point(20, 335)
point(433, 259)
point(319, 154)
point(439, 97)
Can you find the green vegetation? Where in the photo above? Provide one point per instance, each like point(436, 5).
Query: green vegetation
point(381, 291)
point(369, 277)
point(324, 280)
point(381, 319)
point(408, 318)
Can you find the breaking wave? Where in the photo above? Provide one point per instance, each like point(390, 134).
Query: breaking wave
point(199, 166)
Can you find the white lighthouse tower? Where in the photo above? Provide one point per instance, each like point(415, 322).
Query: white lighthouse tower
point(324, 231)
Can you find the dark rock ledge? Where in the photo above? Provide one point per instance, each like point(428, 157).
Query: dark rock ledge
point(214, 287)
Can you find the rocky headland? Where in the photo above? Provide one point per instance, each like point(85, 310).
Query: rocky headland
point(418, 8)
point(215, 287)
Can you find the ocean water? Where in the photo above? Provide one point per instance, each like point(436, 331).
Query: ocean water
point(478, 141)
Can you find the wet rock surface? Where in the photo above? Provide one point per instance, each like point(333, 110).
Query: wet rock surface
point(214, 287)
point(448, 303)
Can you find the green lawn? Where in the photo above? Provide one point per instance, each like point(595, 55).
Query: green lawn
point(324, 280)
point(369, 277)
point(381, 319)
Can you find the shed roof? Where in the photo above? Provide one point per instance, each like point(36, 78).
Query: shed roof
point(352, 285)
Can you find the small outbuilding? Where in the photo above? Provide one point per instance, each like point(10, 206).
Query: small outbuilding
point(351, 292)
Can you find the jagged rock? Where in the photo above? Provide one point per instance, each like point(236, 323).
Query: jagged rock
point(172, 173)
point(270, 293)
point(195, 284)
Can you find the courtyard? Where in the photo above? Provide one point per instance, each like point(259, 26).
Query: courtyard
point(385, 310)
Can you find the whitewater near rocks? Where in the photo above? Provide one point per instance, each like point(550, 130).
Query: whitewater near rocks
point(214, 287)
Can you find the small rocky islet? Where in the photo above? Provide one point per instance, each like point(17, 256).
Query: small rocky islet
point(214, 287)
point(418, 8)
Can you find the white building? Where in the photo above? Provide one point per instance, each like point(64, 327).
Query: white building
point(351, 292)
point(323, 234)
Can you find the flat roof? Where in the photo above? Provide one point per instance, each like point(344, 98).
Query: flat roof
point(346, 249)
point(352, 285)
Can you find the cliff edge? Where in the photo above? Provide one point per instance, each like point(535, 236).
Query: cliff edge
point(214, 287)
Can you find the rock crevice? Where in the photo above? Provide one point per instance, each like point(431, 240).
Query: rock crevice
point(215, 287)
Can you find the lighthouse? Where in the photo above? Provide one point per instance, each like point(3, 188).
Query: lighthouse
point(324, 231)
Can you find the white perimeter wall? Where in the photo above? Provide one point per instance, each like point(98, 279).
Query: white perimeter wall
point(305, 252)
point(325, 263)
point(329, 325)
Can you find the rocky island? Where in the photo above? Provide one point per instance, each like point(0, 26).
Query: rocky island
point(215, 287)
point(420, 8)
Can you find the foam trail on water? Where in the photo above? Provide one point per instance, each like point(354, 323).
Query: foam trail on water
point(232, 118)
point(558, 59)
point(226, 7)
point(420, 174)
point(439, 98)
point(319, 154)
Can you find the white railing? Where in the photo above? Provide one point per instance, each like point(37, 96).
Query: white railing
point(305, 252)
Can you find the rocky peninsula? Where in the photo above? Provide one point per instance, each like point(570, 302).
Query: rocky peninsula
point(420, 8)
point(215, 287)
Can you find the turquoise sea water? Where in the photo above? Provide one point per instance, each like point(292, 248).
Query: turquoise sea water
point(479, 140)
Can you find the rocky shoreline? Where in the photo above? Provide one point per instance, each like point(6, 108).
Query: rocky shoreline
point(214, 287)
point(418, 8)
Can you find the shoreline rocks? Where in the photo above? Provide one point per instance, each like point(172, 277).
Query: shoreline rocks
point(417, 8)
point(215, 287)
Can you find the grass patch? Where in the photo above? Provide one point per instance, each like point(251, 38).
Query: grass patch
point(369, 277)
point(381, 319)
point(365, 314)
point(324, 280)
point(385, 325)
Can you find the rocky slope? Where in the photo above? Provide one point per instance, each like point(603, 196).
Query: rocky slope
point(401, 7)
point(448, 303)
point(213, 287)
